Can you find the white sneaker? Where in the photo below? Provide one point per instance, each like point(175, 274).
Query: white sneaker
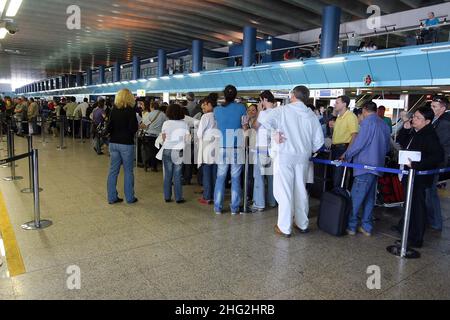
point(218, 213)
point(235, 213)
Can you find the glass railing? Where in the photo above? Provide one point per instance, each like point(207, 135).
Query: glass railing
point(393, 38)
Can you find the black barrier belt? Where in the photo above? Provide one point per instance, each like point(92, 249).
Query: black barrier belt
point(15, 158)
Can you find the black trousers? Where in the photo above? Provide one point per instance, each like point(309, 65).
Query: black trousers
point(149, 152)
point(418, 217)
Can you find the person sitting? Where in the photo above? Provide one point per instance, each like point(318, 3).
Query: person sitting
point(429, 33)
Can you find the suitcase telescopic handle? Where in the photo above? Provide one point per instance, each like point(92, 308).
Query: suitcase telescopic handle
point(343, 178)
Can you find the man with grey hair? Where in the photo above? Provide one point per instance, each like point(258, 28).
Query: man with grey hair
point(192, 106)
point(298, 133)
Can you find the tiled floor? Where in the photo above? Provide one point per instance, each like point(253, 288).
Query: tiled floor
point(154, 250)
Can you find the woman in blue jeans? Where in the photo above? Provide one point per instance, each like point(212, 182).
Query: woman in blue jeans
point(122, 128)
point(175, 134)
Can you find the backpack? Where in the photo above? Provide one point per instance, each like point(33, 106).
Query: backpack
point(390, 189)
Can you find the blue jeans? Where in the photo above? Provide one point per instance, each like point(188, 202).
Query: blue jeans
point(121, 154)
point(363, 195)
point(209, 172)
point(230, 159)
point(434, 214)
point(173, 170)
point(259, 188)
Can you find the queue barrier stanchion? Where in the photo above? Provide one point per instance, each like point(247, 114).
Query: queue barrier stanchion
point(30, 167)
point(245, 208)
point(43, 128)
point(399, 250)
point(81, 130)
point(73, 128)
point(402, 250)
point(11, 155)
point(37, 223)
point(61, 134)
point(9, 137)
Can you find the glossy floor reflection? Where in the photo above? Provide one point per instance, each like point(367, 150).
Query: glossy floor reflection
point(154, 250)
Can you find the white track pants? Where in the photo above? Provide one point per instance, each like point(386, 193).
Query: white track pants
point(289, 185)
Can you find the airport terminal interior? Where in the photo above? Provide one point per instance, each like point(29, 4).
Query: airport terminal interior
point(68, 72)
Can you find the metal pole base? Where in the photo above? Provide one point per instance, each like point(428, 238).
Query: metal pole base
point(397, 250)
point(13, 178)
point(245, 210)
point(29, 190)
point(32, 225)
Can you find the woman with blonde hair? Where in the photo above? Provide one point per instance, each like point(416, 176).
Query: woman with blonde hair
point(122, 128)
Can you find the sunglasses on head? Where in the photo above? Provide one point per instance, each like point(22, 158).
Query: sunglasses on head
point(440, 100)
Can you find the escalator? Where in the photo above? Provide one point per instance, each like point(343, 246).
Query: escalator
point(363, 98)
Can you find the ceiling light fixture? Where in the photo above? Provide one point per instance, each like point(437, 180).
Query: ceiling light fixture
point(380, 54)
point(2, 6)
point(292, 64)
point(13, 8)
point(331, 60)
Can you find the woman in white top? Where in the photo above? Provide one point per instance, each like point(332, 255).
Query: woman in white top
point(207, 138)
point(175, 134)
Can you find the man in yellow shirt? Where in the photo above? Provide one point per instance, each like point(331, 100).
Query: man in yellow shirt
point(345, 130)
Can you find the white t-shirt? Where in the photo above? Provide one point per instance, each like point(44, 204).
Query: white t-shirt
point(176, 132)
point(83, 108)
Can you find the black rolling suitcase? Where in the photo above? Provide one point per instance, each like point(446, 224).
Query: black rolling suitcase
point(335, 209)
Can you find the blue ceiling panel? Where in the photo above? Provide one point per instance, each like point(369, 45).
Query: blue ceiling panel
point(336, 75)
point(440, 67)
point(385, 71)
point(315, 76)
point(414, 68)
point(296, 75)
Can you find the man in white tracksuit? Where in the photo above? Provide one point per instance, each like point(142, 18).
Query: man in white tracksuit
point(298, 132)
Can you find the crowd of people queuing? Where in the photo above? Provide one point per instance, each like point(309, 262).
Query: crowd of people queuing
point(210, 138)
point(281, 141)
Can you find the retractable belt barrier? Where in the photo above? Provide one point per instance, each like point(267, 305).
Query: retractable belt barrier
point(15, 158)
point(245, 208)
point(403, 251)
point(37, 223)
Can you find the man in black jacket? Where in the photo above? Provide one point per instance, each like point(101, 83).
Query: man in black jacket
point(441, 124)
point(423, 138)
